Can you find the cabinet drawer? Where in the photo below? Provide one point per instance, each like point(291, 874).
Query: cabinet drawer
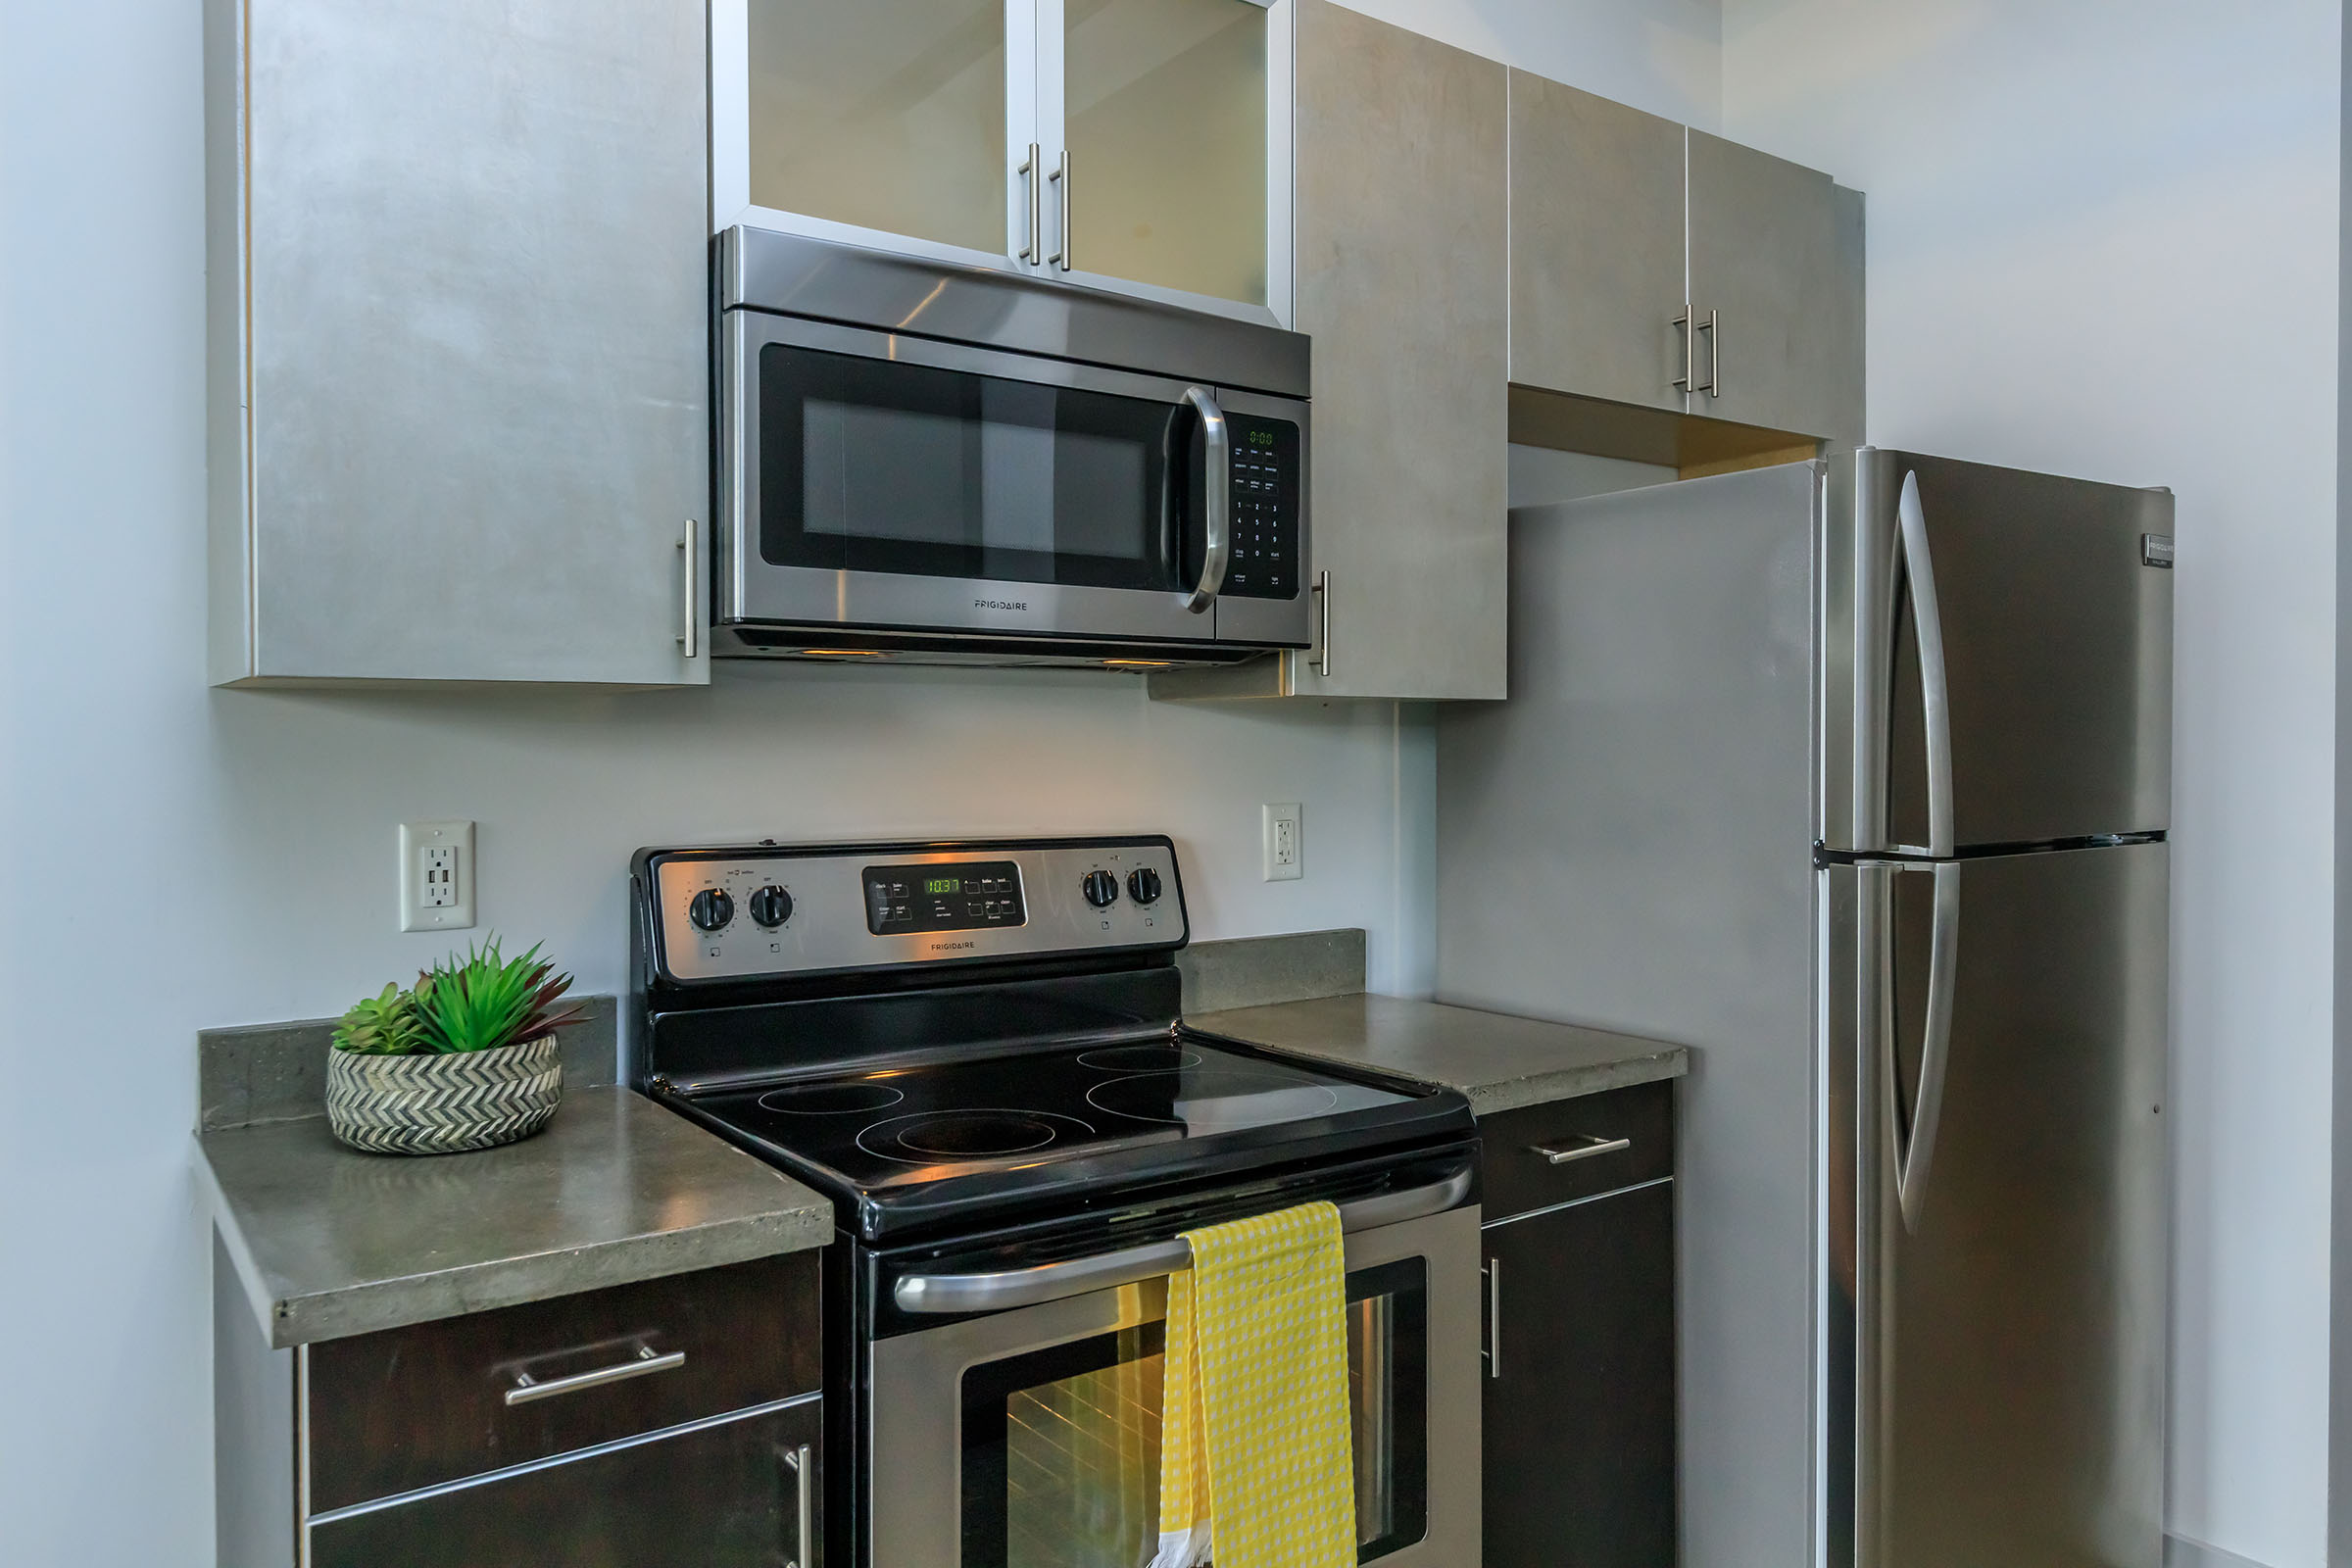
point(1521, 1176)
point(411, 1407)
point(725, 1496)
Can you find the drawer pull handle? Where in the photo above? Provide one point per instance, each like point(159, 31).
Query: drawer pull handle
point(1584, 1148)
point(527, 1387)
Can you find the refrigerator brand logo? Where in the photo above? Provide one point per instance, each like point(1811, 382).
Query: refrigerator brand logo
point(1000, 604)
point(952, 947)
point(2156, 549)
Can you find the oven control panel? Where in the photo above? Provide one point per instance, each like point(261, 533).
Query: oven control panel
point(1265, 508)
point(942, 896)
point(774, 910)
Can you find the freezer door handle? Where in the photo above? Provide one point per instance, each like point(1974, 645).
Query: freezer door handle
point(1914, 1154)
point(1936, 695)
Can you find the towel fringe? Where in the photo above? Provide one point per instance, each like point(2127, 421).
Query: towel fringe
point(1181, 1549)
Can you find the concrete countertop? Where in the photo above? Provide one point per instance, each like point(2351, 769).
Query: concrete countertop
point(329, 1242)
point(1501, 1061)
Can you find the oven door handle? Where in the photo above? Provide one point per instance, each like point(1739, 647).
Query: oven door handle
point(1216, 505)
point(1051, 1282)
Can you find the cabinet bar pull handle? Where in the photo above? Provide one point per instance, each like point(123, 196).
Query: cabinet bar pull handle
point(1062, 177)
point(527, 1387)
point(1585, 1146)
point(686, 559)
point(1323, 617)
point(1493, 1273)
point(1028, 173)
point(1687, 380)
point(1714, 386)
point(797, 1458)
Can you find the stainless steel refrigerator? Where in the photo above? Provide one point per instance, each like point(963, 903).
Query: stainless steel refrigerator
point(1854, 776)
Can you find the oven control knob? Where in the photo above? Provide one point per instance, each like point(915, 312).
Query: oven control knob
point(712, 908)
point(772, 905)
point(1102, 889)
point(1143, 885)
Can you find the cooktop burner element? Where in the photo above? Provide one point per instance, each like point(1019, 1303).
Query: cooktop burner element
point(927, 1137)
point(1201, 1099)
point(829, 1098)
point(1055, 1113)
point(1139, 1059)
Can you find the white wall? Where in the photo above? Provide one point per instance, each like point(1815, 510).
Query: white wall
point(2103, 241)
point(1665, 55)
point(186, 858)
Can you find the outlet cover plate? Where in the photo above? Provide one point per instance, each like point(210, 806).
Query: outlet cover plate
point(436, 876)
point(1284, 854)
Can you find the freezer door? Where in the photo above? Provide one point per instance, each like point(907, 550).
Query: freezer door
point(1995, 1256)
point(1997, 667)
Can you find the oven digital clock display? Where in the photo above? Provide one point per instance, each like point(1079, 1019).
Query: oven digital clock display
point(972, 895)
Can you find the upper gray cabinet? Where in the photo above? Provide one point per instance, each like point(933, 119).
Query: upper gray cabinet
point(1596, 246)
point(1401, 219)
point(1135, 145)
point(1661, 267)
point(458, 346)
point(1776, 277)
point(1401, 267)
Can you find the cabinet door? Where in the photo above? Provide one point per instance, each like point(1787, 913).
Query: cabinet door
point(744, 1493)
point(1597, 247)
point(1401, 226)
point(460, 318)
point(888, 118)
point(1167, 166)
point(1580, 1400)
point(1776, 257)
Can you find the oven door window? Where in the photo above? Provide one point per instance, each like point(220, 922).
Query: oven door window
point(869, 465)
point(1061, 1445)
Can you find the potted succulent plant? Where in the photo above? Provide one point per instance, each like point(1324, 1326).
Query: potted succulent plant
point(464, 1058)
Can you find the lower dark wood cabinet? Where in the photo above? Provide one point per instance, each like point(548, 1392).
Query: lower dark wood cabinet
point(1580, 1451)
point(726, 1495)
point(670, 1423)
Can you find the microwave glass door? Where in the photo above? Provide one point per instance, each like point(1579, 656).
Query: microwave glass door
point(1060, 1445)
point(885, 466)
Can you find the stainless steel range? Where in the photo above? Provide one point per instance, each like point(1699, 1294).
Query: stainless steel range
point(975, 1048)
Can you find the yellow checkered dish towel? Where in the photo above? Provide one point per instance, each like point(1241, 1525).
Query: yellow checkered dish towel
point(1255, 1432)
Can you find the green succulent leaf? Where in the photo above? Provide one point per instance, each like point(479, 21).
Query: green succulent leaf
point(386, 1025)
point(487, 1000)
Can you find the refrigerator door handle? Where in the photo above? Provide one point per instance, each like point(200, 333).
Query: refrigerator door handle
point(1915, 1157)
point(1935, 697)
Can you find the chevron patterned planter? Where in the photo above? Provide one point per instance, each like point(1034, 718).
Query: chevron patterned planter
point(443, 1104)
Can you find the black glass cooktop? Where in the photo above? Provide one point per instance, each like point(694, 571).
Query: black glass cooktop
point(901, 1146)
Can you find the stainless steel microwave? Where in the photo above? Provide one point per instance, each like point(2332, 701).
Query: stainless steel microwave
point(948, 464)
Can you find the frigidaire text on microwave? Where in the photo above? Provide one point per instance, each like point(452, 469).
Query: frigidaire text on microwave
point(942, 464)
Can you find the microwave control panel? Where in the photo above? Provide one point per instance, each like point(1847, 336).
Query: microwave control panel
point(1265, 508)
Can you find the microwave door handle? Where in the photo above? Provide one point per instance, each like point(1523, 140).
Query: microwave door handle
point(1216, 504)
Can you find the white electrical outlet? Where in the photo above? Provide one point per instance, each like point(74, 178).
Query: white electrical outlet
point(1284, 857)
point(436, 876)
